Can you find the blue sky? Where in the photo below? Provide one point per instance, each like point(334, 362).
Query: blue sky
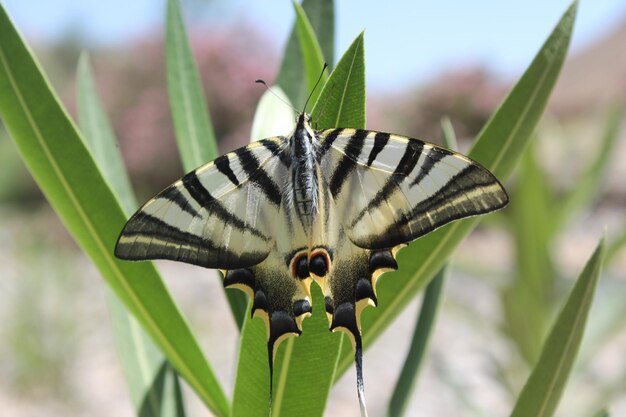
point(406, 41)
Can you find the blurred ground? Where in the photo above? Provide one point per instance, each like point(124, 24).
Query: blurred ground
point(57, 355)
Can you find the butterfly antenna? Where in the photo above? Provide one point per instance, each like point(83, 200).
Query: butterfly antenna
point(315, 86)
point(259, 81)
point(358, 359)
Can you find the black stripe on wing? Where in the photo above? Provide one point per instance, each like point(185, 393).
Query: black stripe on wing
point(433, 157)
point(223, 165)
point(259, 176)
point(174, 195)
point(348, 161)
point(380, 141)
point(327, 137)
point(451, 202)
point(407, 163)
point(160, 240)
point(214, 207)
point(278, 150)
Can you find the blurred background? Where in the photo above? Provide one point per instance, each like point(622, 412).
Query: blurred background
point(424, 60)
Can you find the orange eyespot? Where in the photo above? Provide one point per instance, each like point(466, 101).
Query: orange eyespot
point(300, 266)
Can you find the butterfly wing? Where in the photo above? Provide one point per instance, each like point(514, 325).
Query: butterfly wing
point(217, 216)
point(231, 214)
point(391, 189)
point(387, 190)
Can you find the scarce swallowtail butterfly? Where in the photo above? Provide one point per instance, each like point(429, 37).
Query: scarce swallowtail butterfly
point(331, 206)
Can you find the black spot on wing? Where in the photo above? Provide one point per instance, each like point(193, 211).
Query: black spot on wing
point(301, 307)
point(259, 176)
point(223, 165)
point(364, 290)
point(345, 316)
point(239, 277)
point(382, 259)
point(348, 161)
point(380, 141)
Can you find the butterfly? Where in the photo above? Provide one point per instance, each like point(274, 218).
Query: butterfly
point(331, 206)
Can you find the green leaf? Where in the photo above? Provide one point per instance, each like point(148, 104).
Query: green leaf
point(194, 132)
point(304, 366)
point(291, 76)
point(311, 52)
point(64, 169)
point(142, 361)
point(100, 138)
point(534, 283)
point(589, 183)
point(544, 387)
point(498, 148)
point(419, 344)
point(342, 100)
point(617, 243)
point(425, 320)
point(449, 135)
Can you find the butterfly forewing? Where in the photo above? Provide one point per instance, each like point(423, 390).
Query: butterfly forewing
point(390, 189)
point(217, 216)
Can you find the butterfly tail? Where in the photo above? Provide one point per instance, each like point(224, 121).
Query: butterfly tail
point(358, 360)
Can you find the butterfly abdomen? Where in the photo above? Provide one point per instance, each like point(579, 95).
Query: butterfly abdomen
point(304, 174)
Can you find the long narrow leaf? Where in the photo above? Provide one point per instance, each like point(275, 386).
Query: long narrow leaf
point(194, 132)
point(544, 387)
point(588, 185)
point(59, 161)
point(304, 366)
point(419, 343)
point(342, 100)
point(141, 360)
point(535, 276)
point(311, 52)
point(291, 76)
point(498, 148)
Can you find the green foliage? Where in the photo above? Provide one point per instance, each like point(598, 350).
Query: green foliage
point(419, 344)
point(546, 383)
point(321, 15)
point(64, 169)
point(152, 382)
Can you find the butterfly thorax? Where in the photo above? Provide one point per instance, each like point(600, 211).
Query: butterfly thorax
point(304, 173)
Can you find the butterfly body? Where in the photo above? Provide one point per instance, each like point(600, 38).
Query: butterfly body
point(331, 206)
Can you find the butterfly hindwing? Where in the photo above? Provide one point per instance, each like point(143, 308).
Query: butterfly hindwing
point(391, 189)
point(216, 216)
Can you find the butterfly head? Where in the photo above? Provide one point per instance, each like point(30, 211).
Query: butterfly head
point(303, 130)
